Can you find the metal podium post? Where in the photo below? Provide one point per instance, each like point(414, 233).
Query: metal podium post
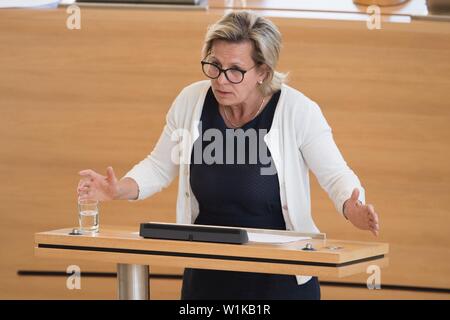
point(133, 282)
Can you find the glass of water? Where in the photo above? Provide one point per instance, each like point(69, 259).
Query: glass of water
point(88, 216)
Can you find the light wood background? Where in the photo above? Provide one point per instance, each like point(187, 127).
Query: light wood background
point(90, 98)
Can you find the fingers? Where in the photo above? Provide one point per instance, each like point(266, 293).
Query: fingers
point(88, 180)
point(83, 189)
point(90, 174)
point(355, 194)
point(83, 196)
point(368, 219)
point(84, 184)
point(373, 226)
point(111, 175)
point(92, 184)
point(87, 173)
point(372, 214)
point(86, 196)
point(364, 216)
point(373, 220)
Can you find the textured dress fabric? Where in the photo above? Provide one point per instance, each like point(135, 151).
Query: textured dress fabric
point(231, 191)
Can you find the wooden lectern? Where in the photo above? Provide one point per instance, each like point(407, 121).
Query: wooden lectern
point(134, 254)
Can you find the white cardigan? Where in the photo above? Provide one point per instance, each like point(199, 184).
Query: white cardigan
point(298, 140)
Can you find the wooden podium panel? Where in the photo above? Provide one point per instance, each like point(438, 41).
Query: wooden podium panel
point(124, 246)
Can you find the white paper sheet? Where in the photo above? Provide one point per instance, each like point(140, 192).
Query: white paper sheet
point(273, 238)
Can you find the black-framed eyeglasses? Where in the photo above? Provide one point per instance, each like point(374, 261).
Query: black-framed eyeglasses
point(234, 75)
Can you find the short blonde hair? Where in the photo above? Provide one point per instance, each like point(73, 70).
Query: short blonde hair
point(265, 36)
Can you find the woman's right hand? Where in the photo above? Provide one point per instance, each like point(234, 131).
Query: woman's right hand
point(98, 187)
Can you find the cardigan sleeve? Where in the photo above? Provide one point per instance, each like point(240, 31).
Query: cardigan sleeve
point(323, 157)
point(159, 168)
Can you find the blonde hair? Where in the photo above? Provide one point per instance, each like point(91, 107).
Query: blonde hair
point(247, 26)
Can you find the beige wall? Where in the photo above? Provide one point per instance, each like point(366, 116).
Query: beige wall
point(71, 100)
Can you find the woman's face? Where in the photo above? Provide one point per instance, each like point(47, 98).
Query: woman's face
point(235, 55)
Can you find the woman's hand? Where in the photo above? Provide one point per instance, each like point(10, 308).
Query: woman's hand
point(98, 187)
point(361, 216)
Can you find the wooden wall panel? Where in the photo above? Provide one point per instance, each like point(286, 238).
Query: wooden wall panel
point(92, 288)
point(89, 98)
point(343, 293)
point(51, 287)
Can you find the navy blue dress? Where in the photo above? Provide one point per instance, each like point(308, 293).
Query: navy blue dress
point(230, 193)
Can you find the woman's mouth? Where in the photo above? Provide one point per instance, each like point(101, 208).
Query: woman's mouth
point(223, 93)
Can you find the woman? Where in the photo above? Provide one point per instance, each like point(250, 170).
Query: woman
point(262, 182)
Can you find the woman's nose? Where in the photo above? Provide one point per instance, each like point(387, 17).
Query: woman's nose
point(222, 79)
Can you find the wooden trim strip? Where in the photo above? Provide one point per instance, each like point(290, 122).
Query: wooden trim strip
point(89, 274)
point(207, 256)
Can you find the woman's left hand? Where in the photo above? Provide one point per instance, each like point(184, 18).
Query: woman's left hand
point(361, 216)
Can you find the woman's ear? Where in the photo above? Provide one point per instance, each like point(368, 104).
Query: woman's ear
point(263, 73)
